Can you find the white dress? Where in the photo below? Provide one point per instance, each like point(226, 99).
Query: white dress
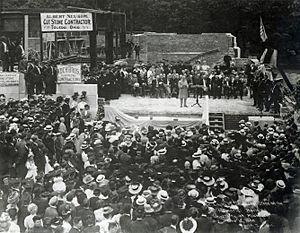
point(32, 169)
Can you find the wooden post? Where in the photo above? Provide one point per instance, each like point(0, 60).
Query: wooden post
point(1, 9)
point(26, 35)
point(123, 37)
point(56, 45)
point(117, 44)
point(41, 46)
point(109, 36)
point(93, 43)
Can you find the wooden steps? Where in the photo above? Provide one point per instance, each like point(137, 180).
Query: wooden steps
point(216, 121)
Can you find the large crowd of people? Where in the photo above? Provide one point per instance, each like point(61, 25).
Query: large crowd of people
point(63, 171)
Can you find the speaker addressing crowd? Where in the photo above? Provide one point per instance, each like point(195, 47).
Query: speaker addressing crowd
point(161, 80)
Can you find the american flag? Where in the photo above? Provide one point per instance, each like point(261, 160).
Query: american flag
point(262, 31)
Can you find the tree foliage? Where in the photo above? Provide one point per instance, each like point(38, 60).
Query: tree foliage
point(240, 17)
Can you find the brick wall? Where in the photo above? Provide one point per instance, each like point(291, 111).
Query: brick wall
point(154, 44)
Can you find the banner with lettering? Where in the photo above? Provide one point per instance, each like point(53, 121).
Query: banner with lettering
point(9, 79)
point(70, 73)
point(55, 22)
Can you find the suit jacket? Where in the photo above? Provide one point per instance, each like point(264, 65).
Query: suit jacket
point(205, 224)
point(139, 226)
point(152, 223)
point(3, 53)
point(125, 222)
point(37, 73)
point(51, 212)
point(164, 220)
point(168, 229)
point(74, 230)
point(50, 74)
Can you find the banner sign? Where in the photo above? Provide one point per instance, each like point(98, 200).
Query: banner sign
point(58, 22)
point(70, 73)
point(9, 79)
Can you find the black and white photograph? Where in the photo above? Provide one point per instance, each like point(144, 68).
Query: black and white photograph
point(149, 116)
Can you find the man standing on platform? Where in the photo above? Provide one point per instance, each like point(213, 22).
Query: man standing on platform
point(137, 49)
point(198, 83)
point(38, 78)
point(19, 52)
point(66, 111)
point(29, 78)
point(4, 55)
point(50, 75)
point(213, 85)
point(276, 95)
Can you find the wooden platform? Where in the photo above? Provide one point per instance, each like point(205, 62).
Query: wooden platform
point(146, 106)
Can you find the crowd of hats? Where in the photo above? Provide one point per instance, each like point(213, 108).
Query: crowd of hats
point(235, 178)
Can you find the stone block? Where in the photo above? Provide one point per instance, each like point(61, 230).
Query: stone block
point(154, 44)
point(10, 92)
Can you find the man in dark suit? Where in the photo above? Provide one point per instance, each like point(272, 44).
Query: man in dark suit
point(19, 50)
point(125, 219)
point(66, 111)
point(77, 225)
point(276, 95)
point(11, 54)
point(38, 78)
point(172, 227)
point(4, 54)
point(139, 225)
point(50, 77)
point(29, 78)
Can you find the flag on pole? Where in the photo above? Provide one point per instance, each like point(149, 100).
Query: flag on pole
point(262, 31)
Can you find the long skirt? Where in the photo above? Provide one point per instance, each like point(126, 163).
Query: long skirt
point(183, 93)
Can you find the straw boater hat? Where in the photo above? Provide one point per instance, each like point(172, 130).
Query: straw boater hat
point(135, 188)
point(147, 194)
point(193, 193)
point(162, 151)
point(188, 225)
point(207, 180)
point(48, 128)
point(154, 189)
point(198, 153)
point(222, 184)
point(210, 200)
point(247, 192)
point(280, 184)
point(148, 209)
point(256, 185)
point(84, 146)
point(87, 179)
point(156, 205)
point(151, 145)
point(141, 201)
point(102, 181)
point(107, 210)
point(163, 195)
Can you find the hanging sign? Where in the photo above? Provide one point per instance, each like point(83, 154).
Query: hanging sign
point(9, 79)
point(63, 22)
point(70, 73)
